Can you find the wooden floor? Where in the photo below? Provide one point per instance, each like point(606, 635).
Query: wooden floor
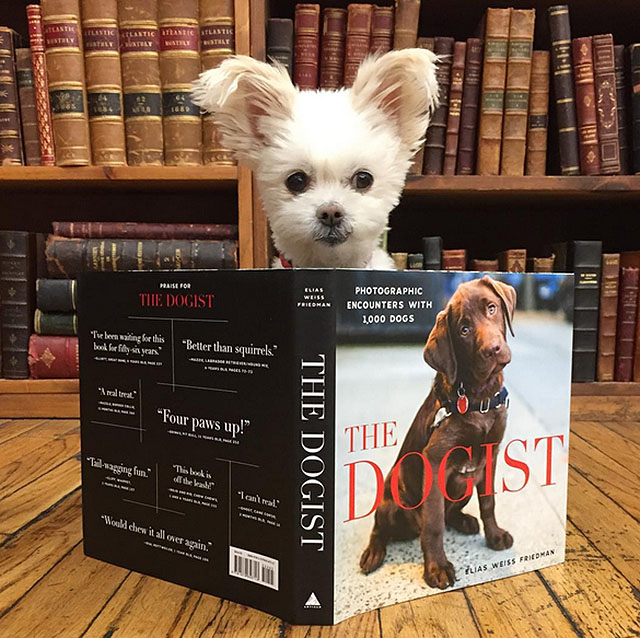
point(49, 588)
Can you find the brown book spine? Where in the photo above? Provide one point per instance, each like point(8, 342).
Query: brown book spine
point(485, 265)
point(358, 40)
point(306, 42)
point(53, 357)
point(179, 67)
point(454, 259)
point(634, 54)
point(586, 106)
point(606, 99)
point(144, 230)
point(513, 260)
point(104, 81)
point(217, 42)
point(10, 133)
point(608, 317)
point(538, 119)
point(541, 264)
point(434, 144)
point(139, 52)
point(334, 28)
point(623, 115)
point(400, 260)
point(455, 108)
point(516, 98)
point(626, 325)
point(494, 75)
point(65, 72)
point(28, 113)
point(465, 164)
point(280, 42)
point(405, 30)
point(41, 85)
point(418, 159)
point(382, 29)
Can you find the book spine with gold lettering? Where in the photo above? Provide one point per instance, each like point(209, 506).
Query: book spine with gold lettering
point(382, 29)
point(358, 40)
point(306, 45)
point(538, 118)
point(455, 106)
point(334, 26)
point(29, 116)
point(608, 317)
point(405, 30)
point(10, 133)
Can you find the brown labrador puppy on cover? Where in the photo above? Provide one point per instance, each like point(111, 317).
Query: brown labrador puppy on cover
point(467, 407)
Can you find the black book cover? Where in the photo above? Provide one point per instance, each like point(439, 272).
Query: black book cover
point(432, 253)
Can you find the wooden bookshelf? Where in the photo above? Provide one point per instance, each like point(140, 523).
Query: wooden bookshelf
point(34, 398)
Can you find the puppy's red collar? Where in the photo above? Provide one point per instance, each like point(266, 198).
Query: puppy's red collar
point(284, 262)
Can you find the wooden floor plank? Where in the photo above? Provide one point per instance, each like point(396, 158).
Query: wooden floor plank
point(628, 430)
point(362, 625)
point(15, 427)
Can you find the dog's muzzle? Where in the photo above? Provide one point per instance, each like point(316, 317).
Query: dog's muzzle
point(334, 227)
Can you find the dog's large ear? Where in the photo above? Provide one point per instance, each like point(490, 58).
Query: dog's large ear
point(402, 84)
point(439, 352)
point(507, 295)
point(249, 101)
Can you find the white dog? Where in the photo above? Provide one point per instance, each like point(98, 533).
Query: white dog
point(330, 165)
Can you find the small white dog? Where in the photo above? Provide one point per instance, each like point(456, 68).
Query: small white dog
point(330, 165)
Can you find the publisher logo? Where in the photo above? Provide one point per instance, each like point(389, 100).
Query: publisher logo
point(312, 602)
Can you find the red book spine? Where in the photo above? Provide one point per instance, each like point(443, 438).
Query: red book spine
point(358, 40)
point(626, 329)
point(306, 44)
point(53, 357)
point(334, 25)
point(466, 161)
point(455, 107)
point(382, 29)
point(586, 106)
point(454, 259)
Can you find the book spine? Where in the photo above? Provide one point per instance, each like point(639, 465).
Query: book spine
point(437, 132)
point(485, 265)
point(541, 264)
point(586, 106)
point(28, 114)
point(57, 295)
point(104, 82)
point(626, 327)
point(418, 158)
point(513, 260)
point(179, 67)
point(400, 260)
point(65, 72)
point(516, 99)
point(144, 230)
point(432, 253)
point(280, 42)
point(415, 261)
point(142, 94)
point(634, 54)
point(358, 40)
point(55, 323)
point(41, 85)
point(405, 30)
point(494, 75)
point(305, 45)
point(53, 357)
point(623, 115)
point(465, 164)
point(605, 83)
point(538, 120)
point(455, 259)
point(455, 108)
point(10, 132)
point(382, 29)
point(608, 317)
point(217, 42)
point(334, 25)
point(560, 31)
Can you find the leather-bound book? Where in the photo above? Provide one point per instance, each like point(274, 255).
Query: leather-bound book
point(513, 260)
point(564, 91)
point(53, 357)
point(631, 259)
point(608, 317)
point(306, 42)
point(494, 75)
point(334, 29)
point(516, 97)
point(405, 30)
point(437, 132)
point(65, 73)
point(400, 260)
point(605, 82)
point(465, 164)
point(179, 67)
point(41, 85)
point(418, 159)
point(358, 40)
point(454, 259)
point(57, 295)
point(28, 112)
point(104, 82)
point(144, 230)
point(415, 261)
point(634, 54)
point(10, 132)
point(538, 119)
point(622, 101)
point(455, 108)
point(280, 42)
point(382, 29)
point(55, 323)
point(432, 253)
point(626, 327)
point(217, 42)
point(586, 106)
point(541, 264)
point(485, 265)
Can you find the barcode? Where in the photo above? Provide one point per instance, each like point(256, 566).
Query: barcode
point(254, 567)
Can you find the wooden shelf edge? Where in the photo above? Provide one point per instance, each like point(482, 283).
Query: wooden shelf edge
point(39, 386)
point(605, 389)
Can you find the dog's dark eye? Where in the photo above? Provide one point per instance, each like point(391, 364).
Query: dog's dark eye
point(464, 331)
point(492, 308)
point(362, 180)
point(297, 182)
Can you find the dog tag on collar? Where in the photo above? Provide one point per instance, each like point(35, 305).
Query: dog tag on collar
point(462, 404)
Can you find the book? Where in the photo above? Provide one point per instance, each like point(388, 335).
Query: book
point(634, 55)
point(262, 487)
point(605, 368)
point(626, 326)
point(541, 264)
point(538, 120)
point(66, 81)
point(57, 295)
point(631, 259)
point(103, 75)
point(11, 153)
point(382, 29)
point(28, 113)
point(53, 357)
point(622, 101)
point(415, 261)
point(306, 42)
point(465, 163)
point(455, 108)
point(358, 39)
point(142, 93)
point(494, 75)
point(564, 91)
point(516, 97)
point(334, 28)
point(586, 106)
point(454, 259)
point(400, 260)
point(432, 253)
point(55, 323)
point(41, 85)
point(605, 83)
point(144, 230)
point(280, 42)
point(485, 265)
point(405, 29)
point(513, 260)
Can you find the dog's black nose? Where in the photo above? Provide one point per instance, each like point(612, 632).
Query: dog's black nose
point(330, 214)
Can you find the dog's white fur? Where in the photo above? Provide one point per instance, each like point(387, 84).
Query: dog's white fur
point(376, 126)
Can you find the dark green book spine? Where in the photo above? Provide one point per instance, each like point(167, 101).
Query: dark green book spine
point(57, 295)
point(55, 323)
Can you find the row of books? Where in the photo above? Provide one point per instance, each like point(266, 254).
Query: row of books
point(107, 82)
point(38, 281)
